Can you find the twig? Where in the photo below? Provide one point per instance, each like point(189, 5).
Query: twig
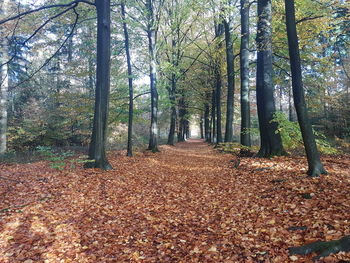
point(9, 179)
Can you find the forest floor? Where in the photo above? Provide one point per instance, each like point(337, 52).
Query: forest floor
point(188, 203)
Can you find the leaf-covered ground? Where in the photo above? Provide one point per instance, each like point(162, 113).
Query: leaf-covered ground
point(185, 204)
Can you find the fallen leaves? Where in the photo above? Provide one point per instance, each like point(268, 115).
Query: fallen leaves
point(185, 204)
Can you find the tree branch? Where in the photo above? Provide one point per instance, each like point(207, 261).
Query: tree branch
point(307, 19)
point(20, 15)
point(49, 59)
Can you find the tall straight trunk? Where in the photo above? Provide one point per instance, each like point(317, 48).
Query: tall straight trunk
point(4, 84)
point(244, 63)
point(230, 81)
point(271, 143)
point(313, 157)
point(219, 30)
point(172, 92)
point(173, 115)
point(213, 115)
point(151, 34)
point(182, 113)
point(187, 130)
point(91, 81)
point(218, 106)
point(201, 127)
point(206, 122)
point(210, 133)
point(290, 109)
point(131, 88)
point(97, 150)
point(281, 97)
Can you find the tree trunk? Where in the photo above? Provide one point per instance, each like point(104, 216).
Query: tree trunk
point(313, 156)
point(97, 151)
point(206, 120)
point(230, 81)
point(201, 123)
point(213, 120)
point(4, 85)
point(218, 105)
point(271, 143)
point(131, 88)
point(173, 115)
point(244, 63)
point(290, 106)
point(219, 30)
point(4, 80)
point(151, 34)
point(182, 120)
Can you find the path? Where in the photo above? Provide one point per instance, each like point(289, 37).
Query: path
point(184, 204)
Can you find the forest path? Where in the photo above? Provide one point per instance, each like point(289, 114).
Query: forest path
point(184, 204)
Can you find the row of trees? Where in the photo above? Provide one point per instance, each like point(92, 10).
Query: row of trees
point(192, 54)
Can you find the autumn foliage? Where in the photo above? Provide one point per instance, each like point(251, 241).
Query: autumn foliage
point(188, 203)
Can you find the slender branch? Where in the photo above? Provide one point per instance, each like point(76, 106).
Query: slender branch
point(139, 95)
point(44, 8)
point(37, 30)
point(307, 19)
point(58, 50)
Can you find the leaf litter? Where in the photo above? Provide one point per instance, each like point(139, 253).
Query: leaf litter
point(184, 204)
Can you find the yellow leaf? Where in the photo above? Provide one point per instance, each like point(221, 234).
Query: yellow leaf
point(213, 249)
point(293, 258)
point(196, 250)
point(271, 222)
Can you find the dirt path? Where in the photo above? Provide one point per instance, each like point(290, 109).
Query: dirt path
point(184, 204)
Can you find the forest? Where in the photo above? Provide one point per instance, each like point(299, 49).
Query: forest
point(174, 131)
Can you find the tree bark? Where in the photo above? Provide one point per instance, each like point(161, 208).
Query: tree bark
point(323, 249)
point(230, 80)
point(244, 63)
point(271, 143)
point(313, 157)
point(218, 104)
point(219, 30)
point(97, 150)
point(206, 119)
point(173, 114)
point(201, 124)
point(130, 80)
point(151, 34)
point(4, 85)
point(213, 114)
point(172, 91)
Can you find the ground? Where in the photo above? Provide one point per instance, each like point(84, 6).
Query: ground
point(188, 203)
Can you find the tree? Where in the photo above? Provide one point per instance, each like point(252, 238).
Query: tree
point(130, 78)
point(270, 139)
point(152, 39)
point(313, 157)
point(97, 150)
point(219, 30)
point(230, 76)
point(244, 64)
point(4, 82)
